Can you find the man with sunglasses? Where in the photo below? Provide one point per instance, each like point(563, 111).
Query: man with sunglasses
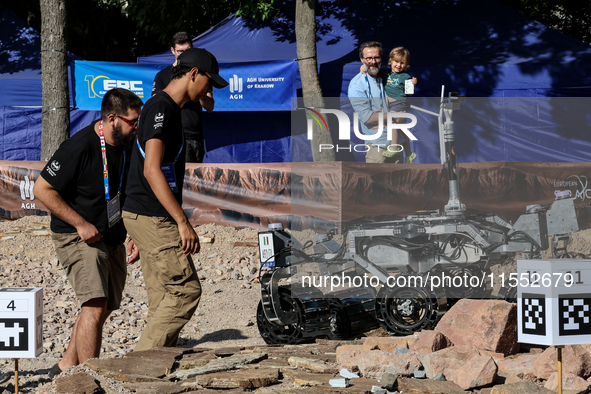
point(82, 186)
point(192, 111)
point(152, 212)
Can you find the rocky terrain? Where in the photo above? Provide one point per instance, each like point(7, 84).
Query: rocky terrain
point(226, 318)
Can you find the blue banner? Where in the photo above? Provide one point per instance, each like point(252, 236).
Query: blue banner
point(93, 79)
point(254, 86)
point(257, 86)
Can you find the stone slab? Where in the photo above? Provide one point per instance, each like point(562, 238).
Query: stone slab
point(79, 383)
point(520, 388)
point(245, 379)
point(120, 368)
point(218, 365)
point(157, 388)
point(318, 366)
point(428, 386)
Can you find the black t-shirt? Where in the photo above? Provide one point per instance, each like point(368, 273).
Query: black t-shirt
point(160, 118)
point(76, 171)
point(192, 111)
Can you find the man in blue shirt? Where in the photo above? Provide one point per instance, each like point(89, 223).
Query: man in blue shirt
point(369, 101)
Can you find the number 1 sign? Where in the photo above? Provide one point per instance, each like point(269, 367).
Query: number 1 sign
point(21, 322)
point(554, 301)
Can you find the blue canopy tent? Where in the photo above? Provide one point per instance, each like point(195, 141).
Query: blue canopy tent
point(481, 49)
point(20, 91)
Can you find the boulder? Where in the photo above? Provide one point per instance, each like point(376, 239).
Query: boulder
point(388, 344)
point(430, 341)
point(359, 348)
point(375, 363)
point(463, 365)
point(569, 382)
point(483, 324)
point(575, 360)
point(522, 364)
point(520, 388)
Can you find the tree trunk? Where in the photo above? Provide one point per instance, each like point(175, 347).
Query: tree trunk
point(305, 29)
point(54, 77)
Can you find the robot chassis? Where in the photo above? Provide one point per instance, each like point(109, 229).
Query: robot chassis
point(422, 245)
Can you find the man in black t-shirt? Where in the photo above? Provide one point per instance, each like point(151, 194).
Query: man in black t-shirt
point(83, 187)
point(191, 111)
point(152, 212)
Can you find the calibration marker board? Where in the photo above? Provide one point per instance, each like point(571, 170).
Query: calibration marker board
point(21, 322)
point(554, 301)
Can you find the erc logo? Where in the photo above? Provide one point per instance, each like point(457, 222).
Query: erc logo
point(98, 86)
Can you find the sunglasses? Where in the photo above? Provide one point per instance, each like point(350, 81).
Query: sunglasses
point(132, 123)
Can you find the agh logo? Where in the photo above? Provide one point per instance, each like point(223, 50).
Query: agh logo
point(26, 187)
point(236, 87)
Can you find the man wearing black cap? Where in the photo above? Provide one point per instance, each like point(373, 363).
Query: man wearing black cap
point(192, 112)
point(152, 212)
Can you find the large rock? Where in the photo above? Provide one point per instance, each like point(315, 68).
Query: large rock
point(375, 363)
point(346, 348)
point(388, 344)
point(569, 382)
point(463, 365)
point(520, 388)
point(522, 364)
point(430, 341)
point(575, 360)
point(483, 324)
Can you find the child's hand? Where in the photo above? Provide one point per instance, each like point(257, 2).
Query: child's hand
point(362, 70)
point(414, 80)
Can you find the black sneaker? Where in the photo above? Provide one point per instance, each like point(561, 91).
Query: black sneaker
point(54, 371)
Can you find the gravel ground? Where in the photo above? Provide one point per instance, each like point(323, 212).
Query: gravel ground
point(226, 315)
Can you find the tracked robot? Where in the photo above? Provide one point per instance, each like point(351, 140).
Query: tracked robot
point(421, 246)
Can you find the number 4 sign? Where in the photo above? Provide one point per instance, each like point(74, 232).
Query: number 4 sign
point(21, 322)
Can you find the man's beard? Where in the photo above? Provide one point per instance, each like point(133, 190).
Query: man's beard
point(120, 139)
point(371, 71)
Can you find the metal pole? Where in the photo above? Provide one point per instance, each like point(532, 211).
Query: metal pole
point(559, 356)
point(16, 376)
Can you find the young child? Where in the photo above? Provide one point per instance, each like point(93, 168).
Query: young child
point(394, 82)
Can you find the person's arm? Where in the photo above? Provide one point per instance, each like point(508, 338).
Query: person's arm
point(207, 101)
point(52, 200)
point(157, 180)
point(360, 101)
point(133, 253)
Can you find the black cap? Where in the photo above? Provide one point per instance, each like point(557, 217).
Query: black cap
point(204, 61)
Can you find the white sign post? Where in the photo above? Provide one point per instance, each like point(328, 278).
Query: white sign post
point(21, 324)
point(554, 303)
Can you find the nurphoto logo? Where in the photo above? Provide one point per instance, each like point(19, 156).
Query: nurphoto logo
point(345, 129)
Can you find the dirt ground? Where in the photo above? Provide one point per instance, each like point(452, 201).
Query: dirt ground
point(226, 315)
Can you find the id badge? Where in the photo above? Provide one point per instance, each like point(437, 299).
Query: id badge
point(168, 171)
point(114, 210)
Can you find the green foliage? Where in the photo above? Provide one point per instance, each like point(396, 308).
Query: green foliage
point(257, 9)
point(571, 17)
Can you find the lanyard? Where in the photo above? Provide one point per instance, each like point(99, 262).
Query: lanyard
point(105, 167)
point(144, 154)
point(380, 87)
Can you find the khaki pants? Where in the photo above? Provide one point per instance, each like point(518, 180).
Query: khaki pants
point(94, 271)
point(171, 281)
